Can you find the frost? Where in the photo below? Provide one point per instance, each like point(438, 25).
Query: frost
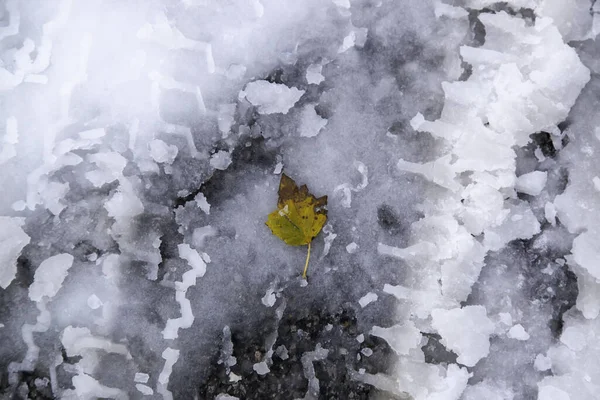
point(271, 98)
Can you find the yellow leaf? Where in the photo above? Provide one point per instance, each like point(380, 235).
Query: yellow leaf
point(299, 217)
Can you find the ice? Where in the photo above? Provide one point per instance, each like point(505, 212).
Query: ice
point(88, 388)
point(162, 152)
point(226, 118)
point(586, 253)
point(124, 204)
point(220, 160)
point(141, 377)
point(140, 137)
point(202, 203)
point(548, 392)
point(77, 340)
point(189, 279)
point(271, 98)
point(531, 183)
point(352, 248)
point(170, 356)
point(367, 299)
point(401, 338)
point(226, 397)
point(574, 23)
point(314, 75)
point(518, 332)
point(49, 276)
point(145, 390)
point(311, 123)
point(94, 302)
point(261, 368)
point(542, 363)
point(466, 331)
point(12, 241)
point(308, 358)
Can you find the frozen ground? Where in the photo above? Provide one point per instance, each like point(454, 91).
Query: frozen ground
point(141, 146)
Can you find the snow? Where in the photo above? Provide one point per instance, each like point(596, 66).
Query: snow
point(542, 363)
point(201, 201)
point(271, 98)
point(367, 299)
point(162, 152)
point(518, 332)
point(12, 241)
point(145, 390)
point(49, 276)
point(466, 331)
point(220, 160)
point(548, 392)
point(261, 368)
point(314, 75)
point(531, 183)
point(310, 122)
point(94, 302)
point(352, 248)
point(141, 377)
point(458, 150)
point(401, 338)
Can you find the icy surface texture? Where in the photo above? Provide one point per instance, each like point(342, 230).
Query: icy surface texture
point(142, 147)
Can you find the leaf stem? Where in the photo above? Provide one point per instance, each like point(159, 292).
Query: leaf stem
point(306, 264)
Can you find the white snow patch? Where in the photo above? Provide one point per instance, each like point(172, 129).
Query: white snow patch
point(542, 362)
point(12, 241)
point(311, 123)
point(49, 276)
point(352, 248)
point(162, 152)
point(144, 389)
point(401, 338)
point(261, 368)
point(518, 332)
point(313, 74)
point(367, 299)
point(271, 98)
point(201, 202)
point(466, 331)
point(94, 302)
point(547, 392)
point(170, 356)
point(225, 118)
point(532, 183)
point(141, 377)
point(220, 160)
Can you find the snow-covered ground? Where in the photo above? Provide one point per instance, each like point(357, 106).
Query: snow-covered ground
point(142, 144)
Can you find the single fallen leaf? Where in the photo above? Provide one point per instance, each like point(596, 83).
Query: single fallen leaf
point(299, 217)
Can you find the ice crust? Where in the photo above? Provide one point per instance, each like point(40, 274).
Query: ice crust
point(138, 139)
